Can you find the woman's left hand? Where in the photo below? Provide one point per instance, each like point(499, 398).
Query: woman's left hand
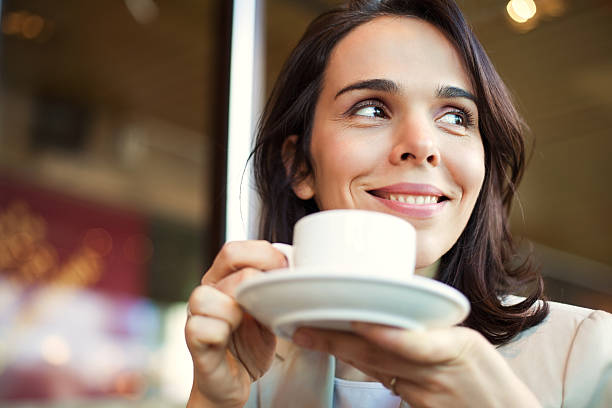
point(447, 367)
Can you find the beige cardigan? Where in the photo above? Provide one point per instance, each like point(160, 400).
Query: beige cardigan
point(566, 361)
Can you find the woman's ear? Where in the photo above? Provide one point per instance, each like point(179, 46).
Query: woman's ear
point(304, 187)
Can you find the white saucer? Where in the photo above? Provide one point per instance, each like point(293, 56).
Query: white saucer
point(285, 300)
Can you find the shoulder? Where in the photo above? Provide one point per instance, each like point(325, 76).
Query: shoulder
point(553, 356)
point(577, 319)
point(571, 311)
point(588, 371)
point(562, 319)
point(572, 317)
point(588, 329)
point(561, 327)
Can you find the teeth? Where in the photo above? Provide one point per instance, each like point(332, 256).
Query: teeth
point(412, 199)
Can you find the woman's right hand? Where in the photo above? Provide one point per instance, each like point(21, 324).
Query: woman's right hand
point(229, 348)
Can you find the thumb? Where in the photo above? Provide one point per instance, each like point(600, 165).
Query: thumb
point(421, 346)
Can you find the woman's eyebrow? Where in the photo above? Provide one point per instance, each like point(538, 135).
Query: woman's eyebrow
point(384, 85)
point(454, 92)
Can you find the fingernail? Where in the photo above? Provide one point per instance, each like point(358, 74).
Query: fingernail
point(302, 339)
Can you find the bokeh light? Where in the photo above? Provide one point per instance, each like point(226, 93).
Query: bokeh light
point(99, 240)
point(32, 26)
point(55, 350)
point(521, 10)
point(12, 22)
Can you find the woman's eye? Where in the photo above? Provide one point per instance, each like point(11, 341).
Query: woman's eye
point(371, 112)
point(454, 118)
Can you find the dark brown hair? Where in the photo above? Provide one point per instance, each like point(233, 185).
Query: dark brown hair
point(478, 263)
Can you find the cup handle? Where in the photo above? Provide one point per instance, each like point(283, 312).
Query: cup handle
point(287, 250)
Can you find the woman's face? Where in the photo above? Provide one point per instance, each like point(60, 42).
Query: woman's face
point(396, 131)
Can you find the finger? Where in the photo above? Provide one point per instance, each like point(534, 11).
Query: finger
point(211, 302)
point(427, 378)
point(420, 346)
point(229, 284)
point(237, 255)
point(356, 351)
point(207, 340)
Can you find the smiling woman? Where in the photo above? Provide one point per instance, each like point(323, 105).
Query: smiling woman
point(416, 76)
point(393, 106)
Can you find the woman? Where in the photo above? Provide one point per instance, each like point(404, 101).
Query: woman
point(401, 94)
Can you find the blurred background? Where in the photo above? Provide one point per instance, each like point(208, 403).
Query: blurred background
point(113, 125)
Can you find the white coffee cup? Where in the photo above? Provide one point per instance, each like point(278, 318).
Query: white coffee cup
point(353, 242)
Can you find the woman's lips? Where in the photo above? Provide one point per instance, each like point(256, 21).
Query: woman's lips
point(412, 200)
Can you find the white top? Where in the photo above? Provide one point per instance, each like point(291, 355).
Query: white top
point(361, 394)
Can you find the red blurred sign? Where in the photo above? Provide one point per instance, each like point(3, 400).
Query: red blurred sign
point(50, 237)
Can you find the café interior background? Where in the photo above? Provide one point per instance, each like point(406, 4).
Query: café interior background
point(112, 118)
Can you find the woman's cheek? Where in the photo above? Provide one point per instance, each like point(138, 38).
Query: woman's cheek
point(468, 170)
point(346, 156)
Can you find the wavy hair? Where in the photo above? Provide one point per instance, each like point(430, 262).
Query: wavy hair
point(479, 264)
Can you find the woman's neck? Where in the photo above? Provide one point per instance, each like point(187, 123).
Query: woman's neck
point(430, 271)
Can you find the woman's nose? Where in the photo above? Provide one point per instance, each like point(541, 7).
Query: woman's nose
point(415, 142)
